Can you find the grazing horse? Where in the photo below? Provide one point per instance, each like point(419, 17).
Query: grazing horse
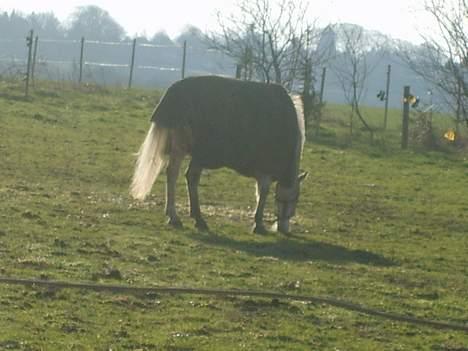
point(254, 128)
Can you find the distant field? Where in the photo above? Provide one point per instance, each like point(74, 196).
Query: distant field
point(377, 226)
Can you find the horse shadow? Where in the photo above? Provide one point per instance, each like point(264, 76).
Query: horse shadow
point(294, 248)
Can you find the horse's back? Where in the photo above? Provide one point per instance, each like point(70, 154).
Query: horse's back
point(248, 126)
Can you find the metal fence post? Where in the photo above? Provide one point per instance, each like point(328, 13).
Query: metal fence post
point(80, 78)
point(132, 64)
point(184, 57)
point(29, 44)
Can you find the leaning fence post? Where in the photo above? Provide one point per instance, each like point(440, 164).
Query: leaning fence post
point(132, 63)
point(29, 44)
point(80, 78)
point(405, 123)
point(184, 56)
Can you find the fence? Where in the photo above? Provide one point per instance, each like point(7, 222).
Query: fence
point(142, 63)
point(122, 63)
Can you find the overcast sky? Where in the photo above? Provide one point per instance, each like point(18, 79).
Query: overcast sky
point(398, 18)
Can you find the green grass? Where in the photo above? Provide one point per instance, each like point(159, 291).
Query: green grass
point(375, 225)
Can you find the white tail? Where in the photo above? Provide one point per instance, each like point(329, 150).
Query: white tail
point(299, 106)
point(151, 160)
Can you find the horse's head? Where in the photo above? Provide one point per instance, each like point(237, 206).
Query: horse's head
point(286, 201)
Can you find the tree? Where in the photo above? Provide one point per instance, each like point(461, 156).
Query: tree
point(318, 47)
point(352, 66)
point(15, 25)
point(264, 38)
point(45, 25)
point(161, 38)
point(94, 23)
point(193, 35)
point(442, 59)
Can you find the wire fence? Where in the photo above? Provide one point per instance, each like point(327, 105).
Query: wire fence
point(104, 62)
point(142, 63)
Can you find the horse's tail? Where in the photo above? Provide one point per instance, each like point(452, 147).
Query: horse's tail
point(299, 107)
point(152, 158)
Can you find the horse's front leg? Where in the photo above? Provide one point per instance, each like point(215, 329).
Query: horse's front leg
point(263, 187)
point(193, 179)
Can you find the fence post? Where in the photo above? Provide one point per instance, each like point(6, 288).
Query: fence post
point(33, 66)
point(80, 78)
point(322, 84)
point(29, 44)
point(184, 56)
point(132, 64)
point(387, 92)
point(405, 123)
point(238, 71)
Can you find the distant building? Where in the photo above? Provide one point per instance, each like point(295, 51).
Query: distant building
point(327, 43)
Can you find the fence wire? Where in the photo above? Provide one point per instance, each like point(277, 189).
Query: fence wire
point(104, 62)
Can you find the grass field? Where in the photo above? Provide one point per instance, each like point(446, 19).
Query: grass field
point(376, 226)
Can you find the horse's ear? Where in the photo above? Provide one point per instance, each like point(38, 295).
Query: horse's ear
point(302, 176)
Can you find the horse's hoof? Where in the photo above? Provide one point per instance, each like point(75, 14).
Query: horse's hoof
point(175, 223)
point(201, 225)
point(260, 229)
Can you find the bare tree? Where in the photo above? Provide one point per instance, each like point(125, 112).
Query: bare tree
point(264, 37)
point(317, 48)
point(452, 20)
point(352, 66)
point(443, 58)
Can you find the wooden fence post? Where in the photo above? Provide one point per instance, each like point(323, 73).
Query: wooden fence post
point(405, 123)
point(387, 92)
point(238, 71)
point(184, 56)
point(80, 78)
point(29, 44)
point(322, 84)
point(132, 63)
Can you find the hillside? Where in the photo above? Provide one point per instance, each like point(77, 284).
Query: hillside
point(376, 226)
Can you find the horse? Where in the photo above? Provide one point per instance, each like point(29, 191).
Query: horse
point(254, 128)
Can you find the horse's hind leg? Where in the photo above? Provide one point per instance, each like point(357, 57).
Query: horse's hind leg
point(193, 179)
point(172, 173)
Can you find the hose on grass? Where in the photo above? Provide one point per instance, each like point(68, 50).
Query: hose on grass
point(234, 292)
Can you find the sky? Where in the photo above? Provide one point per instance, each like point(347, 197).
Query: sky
point(400, 19)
